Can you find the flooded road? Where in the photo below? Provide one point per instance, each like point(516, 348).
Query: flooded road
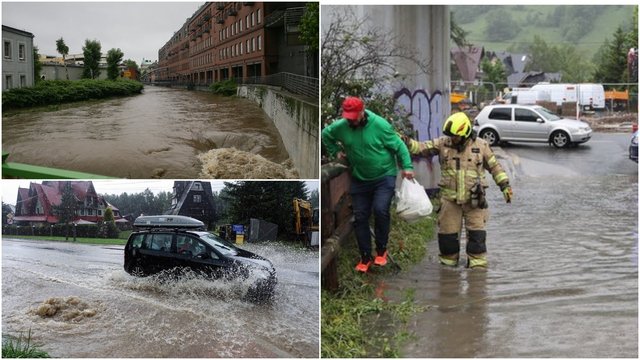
point(563, 264)
point(157, 134)
point(104, 312)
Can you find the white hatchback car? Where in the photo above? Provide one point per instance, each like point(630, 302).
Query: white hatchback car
point(529, 123)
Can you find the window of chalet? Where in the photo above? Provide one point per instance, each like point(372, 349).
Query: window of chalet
point(197, 198)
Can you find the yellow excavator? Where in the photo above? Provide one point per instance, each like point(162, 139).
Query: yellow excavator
point(306, 222)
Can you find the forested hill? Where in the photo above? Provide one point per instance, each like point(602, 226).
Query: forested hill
point(513, 27)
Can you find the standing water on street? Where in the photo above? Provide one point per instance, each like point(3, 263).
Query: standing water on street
point(562, 279)
point(163, 133)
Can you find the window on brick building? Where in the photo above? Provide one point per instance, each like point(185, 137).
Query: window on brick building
point(259, 17)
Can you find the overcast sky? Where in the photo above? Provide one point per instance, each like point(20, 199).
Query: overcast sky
point(10, 187)
point(139, 29)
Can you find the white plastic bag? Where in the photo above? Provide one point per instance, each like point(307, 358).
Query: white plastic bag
point(413, 202)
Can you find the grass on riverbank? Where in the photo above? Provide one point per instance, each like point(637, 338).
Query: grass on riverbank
point(79, 240)
point(21, 348)
point(350, 314)
point(63, 91)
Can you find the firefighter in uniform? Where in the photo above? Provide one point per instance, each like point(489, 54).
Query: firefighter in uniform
point(463, 160)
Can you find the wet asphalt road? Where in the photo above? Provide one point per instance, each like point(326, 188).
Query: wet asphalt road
point(563, 273)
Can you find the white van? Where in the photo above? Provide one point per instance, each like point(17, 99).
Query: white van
point(525, 96)
point(590, 96)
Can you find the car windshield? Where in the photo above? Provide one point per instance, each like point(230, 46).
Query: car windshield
point(548, 115)
point(223, 246)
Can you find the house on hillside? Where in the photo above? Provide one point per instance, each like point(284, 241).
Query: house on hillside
point(36, 205)
point(194, 199)
point(514, 67)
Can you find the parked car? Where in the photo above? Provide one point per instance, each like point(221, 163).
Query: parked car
point(165, 243)
point(633, 147)
point(529, 123)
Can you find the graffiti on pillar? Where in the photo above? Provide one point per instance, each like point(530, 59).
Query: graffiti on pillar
point(424, 111)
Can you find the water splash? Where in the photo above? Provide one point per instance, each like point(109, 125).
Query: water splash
point(231, 163)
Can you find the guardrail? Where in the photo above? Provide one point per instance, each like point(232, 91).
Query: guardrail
point(296, 84)
point(11, 170)
point(337, 220)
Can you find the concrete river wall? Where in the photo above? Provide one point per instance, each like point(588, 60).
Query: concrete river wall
point(296, 119)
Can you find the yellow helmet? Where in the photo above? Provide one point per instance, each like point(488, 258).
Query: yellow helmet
point(457, 124)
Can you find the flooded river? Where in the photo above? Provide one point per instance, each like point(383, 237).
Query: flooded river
point(101, 311)
point(563, 264)
point(158, 134)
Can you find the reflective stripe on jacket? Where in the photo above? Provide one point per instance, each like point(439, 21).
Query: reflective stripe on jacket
point(461, 169)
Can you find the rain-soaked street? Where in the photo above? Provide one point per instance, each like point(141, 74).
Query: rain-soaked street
point(563, 263)
point(158, 134)
point(104, 312)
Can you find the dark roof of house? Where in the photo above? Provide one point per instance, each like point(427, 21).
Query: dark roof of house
point(17, 31)
point(468, 60)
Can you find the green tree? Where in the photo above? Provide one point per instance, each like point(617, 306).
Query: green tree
point(309, 26)
point(37, 65)
point(109, 228)
point(270, 201)
point(611, 59)
point(458, 34)
point(67, 209)
point(493, 72)
point(501, 26)
point(92, 51)
point(114, 57)
point(63, 50)
point(6, 210)
point(130, 64)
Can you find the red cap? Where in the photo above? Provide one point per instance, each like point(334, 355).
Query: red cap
point(351, 108)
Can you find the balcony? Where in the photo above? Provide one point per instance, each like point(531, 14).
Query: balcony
point(220, 20)
point(220, 6)
point(232, 12)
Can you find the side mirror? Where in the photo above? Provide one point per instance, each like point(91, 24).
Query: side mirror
point(202, 256)
point(540, 120)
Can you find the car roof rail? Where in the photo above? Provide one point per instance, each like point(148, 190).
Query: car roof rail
point(168, 222)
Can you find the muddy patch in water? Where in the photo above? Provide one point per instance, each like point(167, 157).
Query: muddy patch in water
point(237, 164)
point(67, 309)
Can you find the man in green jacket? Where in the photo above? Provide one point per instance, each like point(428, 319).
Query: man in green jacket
point(373, 149)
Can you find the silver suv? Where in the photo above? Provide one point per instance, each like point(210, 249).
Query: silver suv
point(529, 123)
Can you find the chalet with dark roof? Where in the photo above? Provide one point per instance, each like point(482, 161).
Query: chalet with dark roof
point(36, 205)
point(194, 199)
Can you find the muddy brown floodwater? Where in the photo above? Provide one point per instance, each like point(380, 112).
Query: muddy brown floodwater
point(78, 302)
point(563, 264)
point(158, 134)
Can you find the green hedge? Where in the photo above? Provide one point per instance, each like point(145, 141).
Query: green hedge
point(62, 91)
point(226, 88)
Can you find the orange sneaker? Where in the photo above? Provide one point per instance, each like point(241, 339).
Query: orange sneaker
point(363, 266)
point(381, 260)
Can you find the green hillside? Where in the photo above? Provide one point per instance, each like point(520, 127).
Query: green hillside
point(512, 28)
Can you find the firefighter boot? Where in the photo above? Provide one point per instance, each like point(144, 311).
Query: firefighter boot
point(476, 249)
point(449, 249)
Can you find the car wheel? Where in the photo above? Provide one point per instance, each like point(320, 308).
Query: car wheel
point(560, 139)
point(490, 136)
point(137, 271)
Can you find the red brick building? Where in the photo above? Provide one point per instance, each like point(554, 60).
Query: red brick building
point(224, 40)
point(35, 205)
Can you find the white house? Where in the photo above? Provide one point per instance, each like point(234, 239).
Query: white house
point(17, 58)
